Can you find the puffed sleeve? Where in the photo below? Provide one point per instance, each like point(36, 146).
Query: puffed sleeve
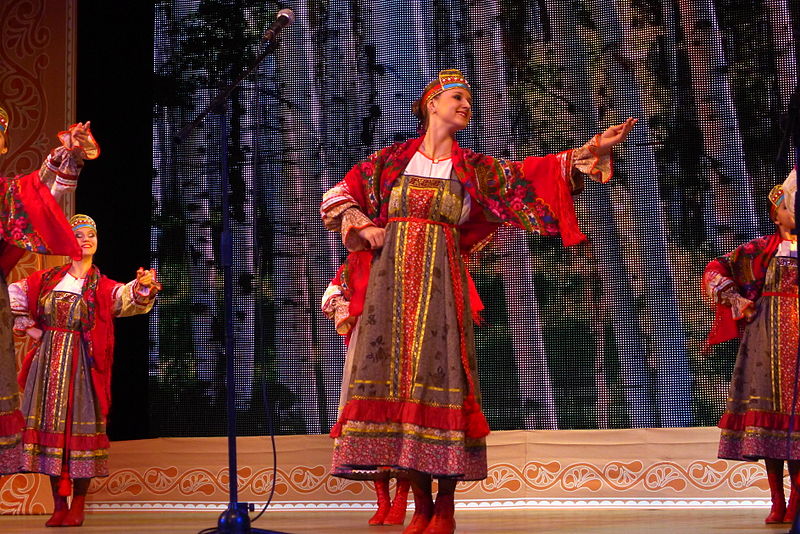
point(60, 170)
point(336, 307)
point(18, 296)
point(587, 161)
point(132, 299)
point(340, 212)
point(31, 219)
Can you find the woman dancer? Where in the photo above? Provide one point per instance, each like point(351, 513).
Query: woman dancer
point(407, 214)
point(31, 219)
point(66, 377)
point(755, 286)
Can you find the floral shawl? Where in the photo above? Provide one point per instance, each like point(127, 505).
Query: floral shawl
point(534, 194)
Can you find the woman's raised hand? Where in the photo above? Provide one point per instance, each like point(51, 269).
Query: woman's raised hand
point(80, 134)
point(614, 135)
point(147, 278)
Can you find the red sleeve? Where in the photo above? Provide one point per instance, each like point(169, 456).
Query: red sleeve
point(546, 174)
point(31, 219)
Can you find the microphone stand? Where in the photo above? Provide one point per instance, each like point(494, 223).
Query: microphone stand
point(235, 519)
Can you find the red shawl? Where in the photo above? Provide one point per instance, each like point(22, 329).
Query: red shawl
point(530, 194)
point(31, 219)
point(97, 329)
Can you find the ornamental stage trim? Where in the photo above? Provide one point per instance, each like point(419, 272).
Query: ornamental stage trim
point(648, 468)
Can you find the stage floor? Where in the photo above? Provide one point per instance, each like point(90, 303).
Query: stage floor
point(594, 521)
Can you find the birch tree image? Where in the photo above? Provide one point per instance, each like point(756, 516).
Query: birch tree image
point(205, 69)
point(296, 243)
point(344, 99)
point(605, 335)
point(762, 76)
point(780, 25)
point(194, 307)
point(730, 209)
point(535, 393)
point(401, 54)
point(616, 305)
point(667, 352)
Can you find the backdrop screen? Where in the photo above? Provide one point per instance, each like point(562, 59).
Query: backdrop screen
point(608, 334)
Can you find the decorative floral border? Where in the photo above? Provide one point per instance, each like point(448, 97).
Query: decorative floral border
point(538, 484)
point(534, 477)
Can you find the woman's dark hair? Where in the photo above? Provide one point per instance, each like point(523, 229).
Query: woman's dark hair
point(420, 111)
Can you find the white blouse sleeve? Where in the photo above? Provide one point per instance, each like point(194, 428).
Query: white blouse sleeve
point(18, 295)
point(132, 299)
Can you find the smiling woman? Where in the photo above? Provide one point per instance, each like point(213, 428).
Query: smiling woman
point(87, 240)
point(31, 220)
point(66, 379)
point(754, 290)
point(409, 214)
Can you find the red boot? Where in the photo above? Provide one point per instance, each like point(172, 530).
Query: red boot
point(397, 515)
point(794, 494)
point(791, 510)
point(74, 517)
point(60, 507)
point(384, 502)
point(775, 479)
point(59, 512)
point(443, 521)
point(423, 510)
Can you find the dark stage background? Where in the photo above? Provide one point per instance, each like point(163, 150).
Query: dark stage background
point(607, 335)
point(115, 91)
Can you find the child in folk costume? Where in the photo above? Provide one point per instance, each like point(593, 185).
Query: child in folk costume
point(755, 290)
point(407, 214)
point(66, 378)
point(31, 219)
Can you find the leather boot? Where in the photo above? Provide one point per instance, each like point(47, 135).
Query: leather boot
point(60, 507)
point(794, 494)
point(791, 510)
point(397, 515)
point(775, 479)
point(384, 502)
point(443, 521)
point(74, 517)
point(423, 510)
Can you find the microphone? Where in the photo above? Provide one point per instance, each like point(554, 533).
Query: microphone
point(282, 19)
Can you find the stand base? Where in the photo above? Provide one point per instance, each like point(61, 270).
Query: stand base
point(236, 520)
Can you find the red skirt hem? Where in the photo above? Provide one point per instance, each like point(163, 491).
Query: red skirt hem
point(11, 423)
point(76, 443)
point(771, 420)
point(473, 422)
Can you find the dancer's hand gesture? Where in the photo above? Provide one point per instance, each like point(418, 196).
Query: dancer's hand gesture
point(614, 135)
point(147, 278)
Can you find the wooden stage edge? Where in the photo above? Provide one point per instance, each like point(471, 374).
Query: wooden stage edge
point(563, 471)
point(652, 521)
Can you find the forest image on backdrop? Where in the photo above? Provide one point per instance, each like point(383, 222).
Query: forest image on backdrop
point(609, 334)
